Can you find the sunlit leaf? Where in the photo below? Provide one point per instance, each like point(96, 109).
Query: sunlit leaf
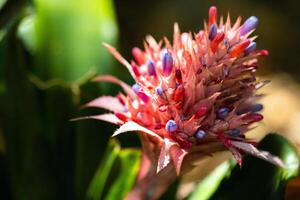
point(258, 179)
point(2, 2)
point(210, 184)
point(26, 33)
point(130, 162)
point(97, 185)
point(117, 173)
point(69, 36)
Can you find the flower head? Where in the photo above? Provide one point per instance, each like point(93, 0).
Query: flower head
point(192, 96)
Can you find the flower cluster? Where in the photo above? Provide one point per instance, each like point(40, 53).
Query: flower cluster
point(199, 90)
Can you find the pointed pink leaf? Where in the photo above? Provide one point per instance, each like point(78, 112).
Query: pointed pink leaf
point(249, 148)
point(145, 166)
point(163, 159)
point(107, 102)
point(112, 79)
point(237, 155)
point(111, 118)
point(261, 84)
point(132, 126)
point(120, 58)
point(177, 155)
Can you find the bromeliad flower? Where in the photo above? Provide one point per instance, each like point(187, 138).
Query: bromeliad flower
point(191, 98)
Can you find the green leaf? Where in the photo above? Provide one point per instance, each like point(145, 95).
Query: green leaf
point(210, 183)
point(97, 185)
point(2, 2)
point(26, 33)
point(116, 173)
point(258, 179)
point(130, 162)
point(69, 35)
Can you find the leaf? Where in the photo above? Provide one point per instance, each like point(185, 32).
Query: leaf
point(26, 33)
point(68, 37)
point(117, 172)
point(130, 163)
point(211, 182)
point(249, 148)
point(177, 155)
point(2, 2)
point(120, 58)
point(107, 102)
point(164, 156)
point(97, 185)
point(111, 118)
point(258, 179)
point(112, 79)
point(132, 126)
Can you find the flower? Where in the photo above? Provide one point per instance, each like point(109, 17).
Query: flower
point(194, 96)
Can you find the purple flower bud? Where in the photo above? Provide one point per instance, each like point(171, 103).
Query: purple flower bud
point(167, 63)
point(200, 134)
point(226, 43)
point(222, 113)
point(235, 132)
point(171, 126)
point(249, 25)
point(250, 48)
point(140, 93)
point(136, 87)
point(256, 108)
point(143, 96)
point(212, 32)
point(151, 68)
point(163, 51)
point(159, 91)
point(125, 109)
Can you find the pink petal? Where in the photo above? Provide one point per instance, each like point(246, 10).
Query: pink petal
point(111, 118)
point(163, 159)
point(177, 155)
point(132, 126)
point(120, 58)
point(112, 79)
point(145, 166)
point(107, 102)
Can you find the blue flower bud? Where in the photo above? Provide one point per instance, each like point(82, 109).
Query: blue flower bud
point(151, 68)
point(167, 63)
point(222, 113)
point(250, 48)
point(159, 91)
point(249, 25)
point(171, 126)
point(200, 134)
point(163, 51)
point(212, 32)
point(256, 108)
point(235, 132)
point(136, 87)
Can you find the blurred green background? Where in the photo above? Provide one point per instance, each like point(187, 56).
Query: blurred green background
point(49, 50)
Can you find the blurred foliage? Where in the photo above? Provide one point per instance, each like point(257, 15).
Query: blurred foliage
point(208, 186)
point(120, 167)
point(69, 35)
point(2, 2)
point(256, 179)
point(46, 156)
